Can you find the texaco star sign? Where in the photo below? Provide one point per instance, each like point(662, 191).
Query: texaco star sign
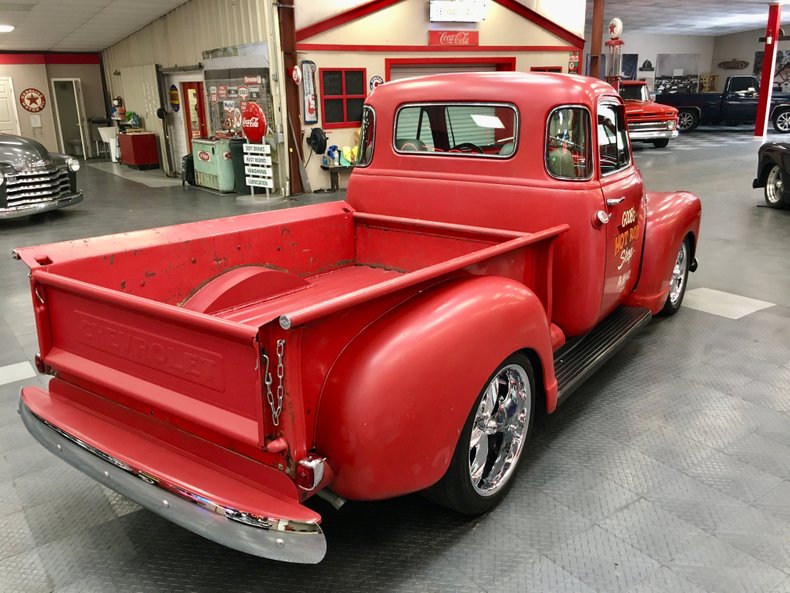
point(32, 99)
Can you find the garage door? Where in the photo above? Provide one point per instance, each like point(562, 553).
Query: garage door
point(411, 70)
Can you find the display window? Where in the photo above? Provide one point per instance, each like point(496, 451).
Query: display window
point(342, 96)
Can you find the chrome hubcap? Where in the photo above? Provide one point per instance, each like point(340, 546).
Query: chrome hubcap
point(783, 121)
point(685, 120)
point(499, 430)
point(678, 275)
point(774, 185)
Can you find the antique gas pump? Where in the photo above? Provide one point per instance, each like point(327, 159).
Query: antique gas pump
point(614, 56)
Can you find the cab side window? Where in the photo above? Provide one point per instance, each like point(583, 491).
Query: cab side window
point(567, 143)
point(613, 149)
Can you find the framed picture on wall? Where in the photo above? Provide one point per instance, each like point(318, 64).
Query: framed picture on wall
point(677, 73)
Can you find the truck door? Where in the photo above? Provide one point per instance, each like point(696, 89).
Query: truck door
point(740, 99)
point(623, 193)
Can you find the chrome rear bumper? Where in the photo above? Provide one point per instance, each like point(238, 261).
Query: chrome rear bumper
point(267, 537)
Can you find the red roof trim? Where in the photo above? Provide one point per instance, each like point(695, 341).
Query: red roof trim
point(503, 63)
point(49, 58)
point(432, 48)
point(543, 22)
point(375, 5)
point(344, 17)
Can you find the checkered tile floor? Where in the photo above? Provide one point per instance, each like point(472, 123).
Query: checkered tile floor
point(705, 137)
point(669, 471)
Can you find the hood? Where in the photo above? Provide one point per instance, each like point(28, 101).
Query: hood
point(23, 153)
point(649, 109)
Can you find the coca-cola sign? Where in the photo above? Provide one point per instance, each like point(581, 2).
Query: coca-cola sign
point(204, 156)
point(253, 122)
point(453, 38)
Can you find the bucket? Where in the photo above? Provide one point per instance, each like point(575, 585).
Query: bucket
point(76, 147)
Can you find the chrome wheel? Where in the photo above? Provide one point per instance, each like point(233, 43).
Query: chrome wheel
point(677, 284)
point(782, 122)
point(774, 187)
point(686, 121)
point(499, 429)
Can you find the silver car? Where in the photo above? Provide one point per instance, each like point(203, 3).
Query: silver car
point(34, 180)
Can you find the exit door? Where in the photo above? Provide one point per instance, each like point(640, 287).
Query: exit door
point(8, 118)
point(70, 116)
point(194, 111)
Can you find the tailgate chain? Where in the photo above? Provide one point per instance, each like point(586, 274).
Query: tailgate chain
point(267, 379)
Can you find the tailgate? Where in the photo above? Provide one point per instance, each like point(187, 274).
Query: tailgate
point(213, 499)
point(188, 369)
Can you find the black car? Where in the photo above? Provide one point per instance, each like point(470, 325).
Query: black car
point(34, 180)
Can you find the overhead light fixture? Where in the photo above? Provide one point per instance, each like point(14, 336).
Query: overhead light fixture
point(6, 28)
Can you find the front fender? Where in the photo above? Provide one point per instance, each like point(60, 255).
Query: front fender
point(396, 399)
point(670, 218)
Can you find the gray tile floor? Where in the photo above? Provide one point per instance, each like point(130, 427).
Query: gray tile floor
point(668, 472)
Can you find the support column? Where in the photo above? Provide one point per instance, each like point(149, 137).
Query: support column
point(291, 116)
point(769, 67)
point(595, 42)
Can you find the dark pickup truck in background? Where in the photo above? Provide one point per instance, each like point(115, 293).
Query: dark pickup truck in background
point(736, 105)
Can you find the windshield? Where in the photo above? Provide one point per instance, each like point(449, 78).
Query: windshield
point(634, 92)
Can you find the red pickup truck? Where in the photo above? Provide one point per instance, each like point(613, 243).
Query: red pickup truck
point(647, 120)
point(496, 247)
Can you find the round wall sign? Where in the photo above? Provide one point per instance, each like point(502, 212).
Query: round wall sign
point(615, 28)
point(175, 101)
point(296, 75)
point(253, 123)
point(32, 100)
point(375, 81)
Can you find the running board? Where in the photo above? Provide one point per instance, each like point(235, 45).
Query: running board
point(577, 360)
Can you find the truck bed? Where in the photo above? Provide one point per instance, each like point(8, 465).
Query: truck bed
point(171, 322)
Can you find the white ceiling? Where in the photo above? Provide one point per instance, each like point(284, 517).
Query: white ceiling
point(93, 25)
point(687, 17)
point(75, 25)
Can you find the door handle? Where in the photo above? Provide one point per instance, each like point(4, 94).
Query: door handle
point(614, 201)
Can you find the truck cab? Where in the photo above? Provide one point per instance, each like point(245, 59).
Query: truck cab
point(575, 146)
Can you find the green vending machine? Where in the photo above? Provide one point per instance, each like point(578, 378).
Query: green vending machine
point(213, 164)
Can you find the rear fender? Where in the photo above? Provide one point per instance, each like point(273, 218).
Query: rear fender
point(397, 398)
point(670, 218)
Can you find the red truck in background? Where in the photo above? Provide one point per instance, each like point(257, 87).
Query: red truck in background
point(647, 120)
point(496, 247)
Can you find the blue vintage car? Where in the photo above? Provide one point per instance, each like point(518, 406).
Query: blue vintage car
point(34, 180)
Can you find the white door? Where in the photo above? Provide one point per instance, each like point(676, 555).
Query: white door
point(70, 115)
point(9, 122)
point(175, 119)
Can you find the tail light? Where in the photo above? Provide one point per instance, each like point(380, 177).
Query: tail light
point(310, 472)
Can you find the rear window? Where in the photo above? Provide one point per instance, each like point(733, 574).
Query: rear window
point(476, 130)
